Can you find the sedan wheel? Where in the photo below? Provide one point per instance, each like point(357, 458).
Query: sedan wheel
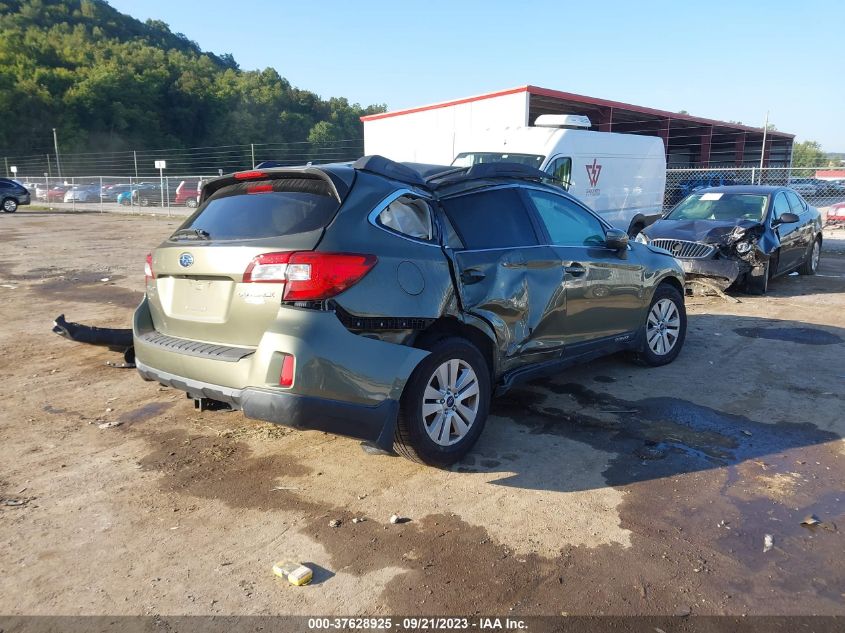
point(811, 263)
point(10, 205)
point(450, 403)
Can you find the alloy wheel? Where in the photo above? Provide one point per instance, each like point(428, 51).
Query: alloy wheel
point(663, 327)
point(450, 402)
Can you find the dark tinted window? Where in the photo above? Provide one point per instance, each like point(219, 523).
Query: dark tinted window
point(267, 208)
point(491, 219)
point(567, 223)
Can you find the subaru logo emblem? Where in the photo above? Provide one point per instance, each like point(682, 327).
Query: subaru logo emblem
point(185, 260)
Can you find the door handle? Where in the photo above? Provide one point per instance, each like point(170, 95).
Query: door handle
point(472, 276)
point(576, 270)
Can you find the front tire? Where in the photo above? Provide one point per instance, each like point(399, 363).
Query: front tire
point(10, 205)
point(757, 281)
point(811, 263)
point(665, 327)
point(444, 405)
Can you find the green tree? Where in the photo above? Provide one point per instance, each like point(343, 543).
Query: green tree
point(808, 154)
point(109, 82)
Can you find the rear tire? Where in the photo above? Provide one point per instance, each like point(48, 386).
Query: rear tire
point(10, 205)
point(444, 405)
point(665, 328)
point(811, 262)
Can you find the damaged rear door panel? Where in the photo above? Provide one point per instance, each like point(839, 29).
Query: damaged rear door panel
point(519, 292)
point(505, 276)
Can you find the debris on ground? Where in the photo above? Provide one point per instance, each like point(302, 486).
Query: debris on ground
point(334, 523)
point(116, 339)
point(358, 520)
point(109, 425)
point(14, 503)
point(768, 543)
point(295, 573)
point(397, 519)
point(811, 520)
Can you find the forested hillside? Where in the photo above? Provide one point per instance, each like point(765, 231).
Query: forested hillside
point(109, 82)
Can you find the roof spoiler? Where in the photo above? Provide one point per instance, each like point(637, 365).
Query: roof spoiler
point(268, 170)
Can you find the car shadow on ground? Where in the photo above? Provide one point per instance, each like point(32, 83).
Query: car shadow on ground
point(539, 435)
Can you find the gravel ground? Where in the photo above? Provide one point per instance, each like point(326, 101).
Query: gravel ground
point(608, 488)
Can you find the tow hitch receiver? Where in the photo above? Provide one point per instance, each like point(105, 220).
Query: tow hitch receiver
point(207, 404)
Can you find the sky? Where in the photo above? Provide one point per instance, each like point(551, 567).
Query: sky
point(722, 60)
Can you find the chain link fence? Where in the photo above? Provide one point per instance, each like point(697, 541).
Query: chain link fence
point(822, 187)
point(171, 195)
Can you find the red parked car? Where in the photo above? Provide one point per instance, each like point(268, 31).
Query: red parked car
point(836, 214)
point(187, 194)
point(57, 193)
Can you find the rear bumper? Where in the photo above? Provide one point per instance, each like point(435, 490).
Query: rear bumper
point(370, 423)
point(343, 383)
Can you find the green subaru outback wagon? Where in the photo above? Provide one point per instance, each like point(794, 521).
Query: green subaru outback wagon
point(391, 301)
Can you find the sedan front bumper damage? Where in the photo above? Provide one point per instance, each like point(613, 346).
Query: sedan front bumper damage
point(719, 272)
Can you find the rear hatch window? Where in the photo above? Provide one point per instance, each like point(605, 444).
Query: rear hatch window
point(262, 208)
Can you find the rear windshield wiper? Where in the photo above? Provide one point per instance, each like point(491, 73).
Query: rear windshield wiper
point(191, 234)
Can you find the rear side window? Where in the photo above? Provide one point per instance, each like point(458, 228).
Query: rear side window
point(408, 216)
point(265, 208)
point(491, 219)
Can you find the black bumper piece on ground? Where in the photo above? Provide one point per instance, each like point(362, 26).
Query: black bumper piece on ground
point(373, 424)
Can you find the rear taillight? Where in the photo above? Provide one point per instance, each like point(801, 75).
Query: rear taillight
point(310, 276)
point(267, 268)
point(148, 268)
point(286, 375)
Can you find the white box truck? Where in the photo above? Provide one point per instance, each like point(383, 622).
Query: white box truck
point(622, 177)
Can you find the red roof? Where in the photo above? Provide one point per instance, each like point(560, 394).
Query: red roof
point(569, 96)
point(830, 173)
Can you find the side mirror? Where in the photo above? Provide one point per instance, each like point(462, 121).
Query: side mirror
point(616, 239)
point(786, 218)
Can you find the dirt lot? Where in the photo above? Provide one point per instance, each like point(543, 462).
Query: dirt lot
point(609, 488)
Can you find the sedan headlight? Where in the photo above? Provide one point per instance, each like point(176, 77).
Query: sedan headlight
point(641, 238)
